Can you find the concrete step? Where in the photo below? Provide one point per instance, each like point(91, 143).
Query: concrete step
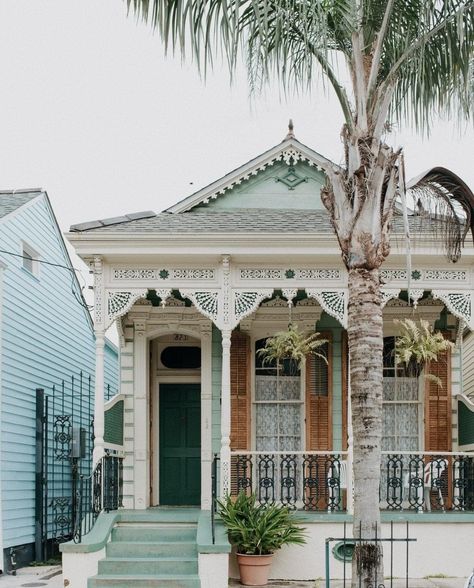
point(161, 515)
point(154, 532)
point(144, 581)
point(151, 549)
point(152, 566)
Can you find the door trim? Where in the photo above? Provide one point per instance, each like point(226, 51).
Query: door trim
point(155, 424)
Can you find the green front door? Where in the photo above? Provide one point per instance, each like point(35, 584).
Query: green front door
point(180, 444)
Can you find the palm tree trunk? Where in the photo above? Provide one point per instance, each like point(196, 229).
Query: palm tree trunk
point(365, 337)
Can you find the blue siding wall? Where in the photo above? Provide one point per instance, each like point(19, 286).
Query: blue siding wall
point(46, 337)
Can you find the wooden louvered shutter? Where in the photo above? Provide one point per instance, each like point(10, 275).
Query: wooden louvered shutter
point(240, 390)
point(438, 406)
point(239, 400)
point(345, 387)
point(319, 401)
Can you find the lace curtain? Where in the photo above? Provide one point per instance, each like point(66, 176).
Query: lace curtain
point(278, 413)
point(401, 414)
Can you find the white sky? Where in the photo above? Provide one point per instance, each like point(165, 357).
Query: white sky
point(92, 111)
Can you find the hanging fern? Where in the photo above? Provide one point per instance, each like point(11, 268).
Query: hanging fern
point(418, 345)
point(292, 345)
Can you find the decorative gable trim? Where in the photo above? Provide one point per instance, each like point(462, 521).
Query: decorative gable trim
point(289, 151)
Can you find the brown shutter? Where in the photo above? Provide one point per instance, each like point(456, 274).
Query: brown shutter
point(240, 391)
point(345, 387)
point(319, 401)
point(438, 406)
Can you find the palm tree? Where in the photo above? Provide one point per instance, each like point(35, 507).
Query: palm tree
point(405, 60)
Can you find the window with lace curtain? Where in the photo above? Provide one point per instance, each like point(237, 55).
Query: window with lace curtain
point(402, 406)
point(278, 405)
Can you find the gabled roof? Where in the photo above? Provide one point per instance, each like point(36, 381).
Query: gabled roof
point(289, 150)
point(11, 200)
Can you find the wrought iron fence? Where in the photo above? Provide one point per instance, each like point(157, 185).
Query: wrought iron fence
point(314, 481)
point(64, 442)
point(101, 491)
point(345, 549)
point(319, 481)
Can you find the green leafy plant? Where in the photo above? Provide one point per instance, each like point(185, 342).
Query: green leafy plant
point(418, 345)
point(292, 345)
point(259, 529)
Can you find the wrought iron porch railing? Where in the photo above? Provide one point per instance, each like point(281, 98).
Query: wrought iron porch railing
point(319, 481)
point(101, 491)
point(314, 481)
point(426, 481)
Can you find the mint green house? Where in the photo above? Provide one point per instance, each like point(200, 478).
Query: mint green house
point(195, 291)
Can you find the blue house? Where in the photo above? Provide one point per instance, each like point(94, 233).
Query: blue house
point(47, 362)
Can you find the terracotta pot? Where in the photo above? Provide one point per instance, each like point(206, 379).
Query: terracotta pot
point(254, 569)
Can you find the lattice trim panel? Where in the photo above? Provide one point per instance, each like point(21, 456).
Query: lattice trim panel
point(164, 274)
point(458, 303)
point(425, 275)
point(290, 273)
point(333, 302)
point(206, 301)
point(246, 302)
point(119, 302)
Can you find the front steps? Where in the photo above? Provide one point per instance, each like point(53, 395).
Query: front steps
point(151, 548)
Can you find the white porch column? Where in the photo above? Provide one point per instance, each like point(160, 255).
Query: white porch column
point(225, 415)
point(141, 470)
point(99, 396)
point(99, 330)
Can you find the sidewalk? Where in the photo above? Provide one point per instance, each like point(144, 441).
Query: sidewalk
point(51, 577)
point(34, 576)
point(412, 583)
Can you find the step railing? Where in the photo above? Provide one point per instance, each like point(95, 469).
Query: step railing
point(321, 480)
point(101, 491)
point(214, 496)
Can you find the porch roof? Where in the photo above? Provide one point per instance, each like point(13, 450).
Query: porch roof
point(257, 220)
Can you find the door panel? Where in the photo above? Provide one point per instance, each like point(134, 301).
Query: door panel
point(180, 444)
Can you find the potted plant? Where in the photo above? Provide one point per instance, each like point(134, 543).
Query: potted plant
point(292, 346)
point(257, 531)
point(417, 345)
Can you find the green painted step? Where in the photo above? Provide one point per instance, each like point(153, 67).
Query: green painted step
point(146, 565)
point(154, 532)
point(151, 549)
point(145, 581)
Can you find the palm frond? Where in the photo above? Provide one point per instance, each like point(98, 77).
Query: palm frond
point(418, 343)
point(447, 204)
point(293, 345)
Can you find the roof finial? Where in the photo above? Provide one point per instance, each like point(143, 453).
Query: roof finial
point(291, 134)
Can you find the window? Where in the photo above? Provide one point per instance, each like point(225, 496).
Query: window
point(401, 405)
point(30, 260)
point(278, 405)
point(181, 358)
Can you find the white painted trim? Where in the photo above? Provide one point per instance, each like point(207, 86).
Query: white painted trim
point(141, 402)
point(202, 335)
point(113, 401)
point(251, 167)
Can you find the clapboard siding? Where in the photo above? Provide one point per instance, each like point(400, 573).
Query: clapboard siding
point(47, 336)
point(468, 364)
